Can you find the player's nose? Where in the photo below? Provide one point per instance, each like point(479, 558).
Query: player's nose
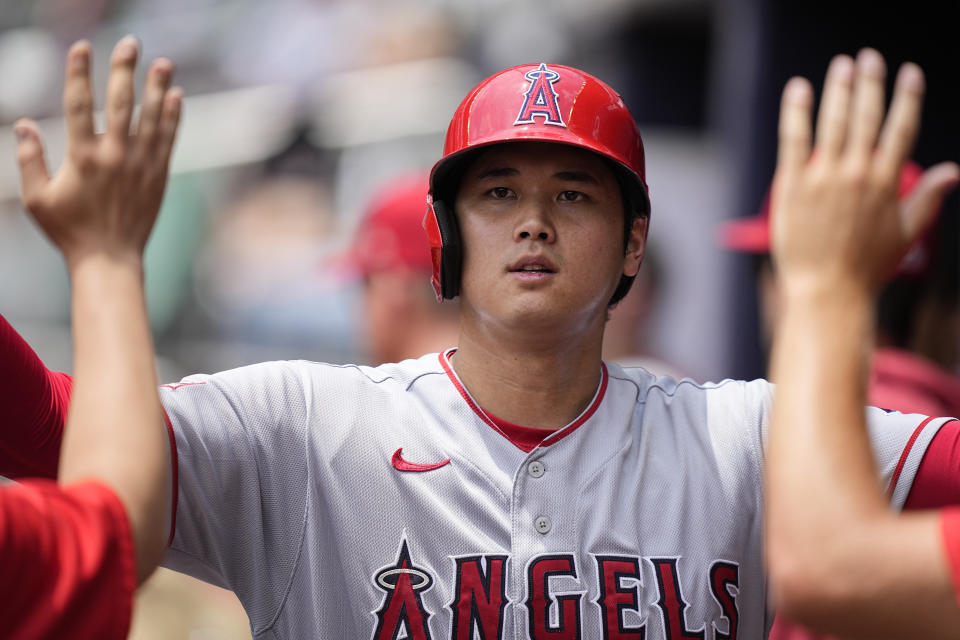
point(534, 222)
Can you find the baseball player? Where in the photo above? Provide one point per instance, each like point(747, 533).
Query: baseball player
point(513, 485)
point(839, 559)
point(72, 554)
point(390, 253)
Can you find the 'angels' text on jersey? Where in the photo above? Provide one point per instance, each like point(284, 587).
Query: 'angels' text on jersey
point(552, 610)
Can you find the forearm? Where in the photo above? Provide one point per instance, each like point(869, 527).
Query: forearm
point(118, 437)
point(838, 555)
point(839, 560)
point(819, 363)
point(34, 401)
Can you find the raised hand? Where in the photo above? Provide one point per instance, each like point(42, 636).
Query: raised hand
point(837, 217)
point(838, 231)
point(106, 195)
point(99, 209)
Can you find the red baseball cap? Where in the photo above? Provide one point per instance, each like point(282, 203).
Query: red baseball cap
point(390, 235)
point(752, 234)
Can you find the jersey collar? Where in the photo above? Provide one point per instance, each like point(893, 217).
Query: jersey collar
point(524, 438)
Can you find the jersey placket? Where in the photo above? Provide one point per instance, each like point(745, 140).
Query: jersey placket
point(546, 536)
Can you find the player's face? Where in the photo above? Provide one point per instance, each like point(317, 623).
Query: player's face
point(542, 228)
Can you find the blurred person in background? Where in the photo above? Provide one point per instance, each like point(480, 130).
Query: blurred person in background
point(918, 327)
point(390, 252)
point(257, 285)
point(625, 339)
point(918, 324)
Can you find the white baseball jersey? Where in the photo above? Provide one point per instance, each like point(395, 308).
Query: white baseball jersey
point(357, 502)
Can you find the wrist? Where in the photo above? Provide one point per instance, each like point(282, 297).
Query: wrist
point(825, 289)
point(102, 259)
point(822, 321)
point(104, 266)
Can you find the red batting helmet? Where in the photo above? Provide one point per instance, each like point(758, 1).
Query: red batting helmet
point(390, 236)
point(545, 103)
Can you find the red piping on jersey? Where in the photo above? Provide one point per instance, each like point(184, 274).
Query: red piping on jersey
point(936, 483)
point(174, 479)
point(180, 384)
point(903, 456)
point(563, 432)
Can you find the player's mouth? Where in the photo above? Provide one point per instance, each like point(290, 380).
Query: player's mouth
point(532, 269)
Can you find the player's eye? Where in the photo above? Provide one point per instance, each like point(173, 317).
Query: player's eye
point(571, 196)
point(500, 193)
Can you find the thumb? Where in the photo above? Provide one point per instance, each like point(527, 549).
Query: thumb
point(33, 166)
point(923, 205)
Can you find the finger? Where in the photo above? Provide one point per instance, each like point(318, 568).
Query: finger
point(903, 122)
point(867, 110)
point(34, 175)
point(119, 105)
point(77, 94)
point(835, 107)
point(169, 121)
point(155, 88)
point(794, 129)
point(923, 205)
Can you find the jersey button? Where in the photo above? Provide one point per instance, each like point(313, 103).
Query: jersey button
point(542, 524)
point(536, 469)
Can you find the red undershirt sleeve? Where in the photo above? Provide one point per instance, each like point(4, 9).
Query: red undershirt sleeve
point(950, 529)
point(68, 559)
point(937, 482)
point(33, 401)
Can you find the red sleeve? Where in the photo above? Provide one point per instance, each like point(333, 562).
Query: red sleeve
point(68, 562)
point(33, 401)
point(950, 528)
point(937, 483)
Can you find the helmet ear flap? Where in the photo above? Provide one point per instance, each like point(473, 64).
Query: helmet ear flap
point(445, 249)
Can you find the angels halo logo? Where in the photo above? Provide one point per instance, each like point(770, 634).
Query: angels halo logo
point(402, 607)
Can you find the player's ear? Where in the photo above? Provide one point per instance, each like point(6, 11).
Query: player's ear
point(636, 246)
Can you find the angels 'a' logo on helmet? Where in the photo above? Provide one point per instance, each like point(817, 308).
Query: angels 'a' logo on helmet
point(540, 99)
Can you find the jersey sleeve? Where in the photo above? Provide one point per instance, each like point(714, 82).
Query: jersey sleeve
point(950, 530)
point(34, 403)
point(242, 480)
point(899, 440)
point(937, 481)
point(68, 562)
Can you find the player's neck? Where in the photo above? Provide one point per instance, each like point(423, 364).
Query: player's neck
point(534, 387)
point(427, 337)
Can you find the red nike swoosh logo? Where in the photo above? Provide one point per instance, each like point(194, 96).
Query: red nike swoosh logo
point(402, 465)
